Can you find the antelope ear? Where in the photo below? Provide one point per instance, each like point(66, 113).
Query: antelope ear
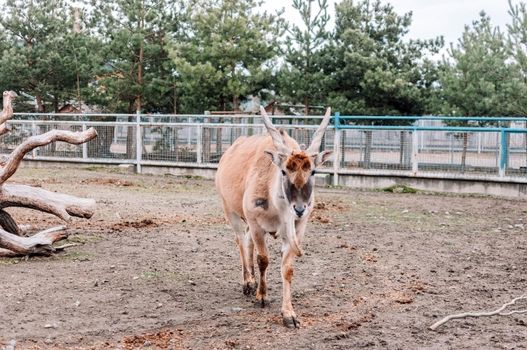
point(276, 157)
point(320, 158)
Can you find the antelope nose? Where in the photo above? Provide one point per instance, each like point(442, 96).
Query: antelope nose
point(299, 210)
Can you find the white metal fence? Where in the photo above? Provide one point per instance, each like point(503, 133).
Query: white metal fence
point(199, 141)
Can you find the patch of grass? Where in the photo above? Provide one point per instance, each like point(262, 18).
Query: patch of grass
point(82, 238)
point(336, 187)
point(94, 168)
point(114, 169)
point(193, 177)
point(150, 274)
point(9, 261)
point(78, 256)
point(400, 189)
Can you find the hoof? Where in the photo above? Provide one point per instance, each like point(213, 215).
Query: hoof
point(249, 288)
point(291, 322)
point(263, 302)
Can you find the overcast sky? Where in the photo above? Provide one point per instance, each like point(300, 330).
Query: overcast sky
point(430, 17)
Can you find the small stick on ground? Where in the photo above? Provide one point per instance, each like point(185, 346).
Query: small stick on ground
point(500, 312)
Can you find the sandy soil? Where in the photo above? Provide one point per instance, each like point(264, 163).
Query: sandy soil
point(157, 268)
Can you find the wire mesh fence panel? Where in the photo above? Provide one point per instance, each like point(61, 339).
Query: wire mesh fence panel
point(169, 143)
point(327, 144)
point(458, 152)
point(217, 139)
point(516, 157)
point(59, 149)
point(376, 149)
point(113, 142)
point(21, 131)
point(203, 139)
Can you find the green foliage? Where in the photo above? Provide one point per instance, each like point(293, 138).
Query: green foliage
point(300, 78)
point(400, 189)
point(225, 54)
point(190, 56)
point(42, 55)
point(517, 46)
point(371, 68)
point(477, 78)
point(138, 72)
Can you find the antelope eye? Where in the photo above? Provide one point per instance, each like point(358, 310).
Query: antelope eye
point(283, 172)
point(313, 172)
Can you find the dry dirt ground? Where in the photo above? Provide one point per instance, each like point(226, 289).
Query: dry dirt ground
point(157, 268)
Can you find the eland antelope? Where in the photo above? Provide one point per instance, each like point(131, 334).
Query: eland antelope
point(266, 185)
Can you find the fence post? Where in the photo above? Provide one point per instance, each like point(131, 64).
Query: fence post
point(415, 152)
point(199, 144)
point(138, 142)
point(84, 145)
point(336, 149)
point(503, 153)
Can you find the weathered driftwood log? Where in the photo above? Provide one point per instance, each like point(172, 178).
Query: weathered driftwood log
point(7, 111)
point(12, 195)
point(61, 205)
point(40, 243)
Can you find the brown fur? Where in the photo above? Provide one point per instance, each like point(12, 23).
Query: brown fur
point(300, 165)
point(288, 275)
point(263, 262)
point(245, 167)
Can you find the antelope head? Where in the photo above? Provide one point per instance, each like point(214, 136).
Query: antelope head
point(297, 166)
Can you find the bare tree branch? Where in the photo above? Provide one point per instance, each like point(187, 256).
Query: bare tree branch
point(7, 111)
point(499, 311)
point(41, 140)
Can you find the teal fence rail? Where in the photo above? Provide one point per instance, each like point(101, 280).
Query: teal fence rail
point(466, 147)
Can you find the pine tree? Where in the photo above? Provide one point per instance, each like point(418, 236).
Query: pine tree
point(45, 57)
point(301, 76)
point(139, 76)
point(477, 77)
point(224, 56)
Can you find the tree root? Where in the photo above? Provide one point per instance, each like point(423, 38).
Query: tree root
point(40, 243)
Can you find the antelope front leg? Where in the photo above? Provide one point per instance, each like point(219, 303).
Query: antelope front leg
point(250, 285)
point(245, 245)
point(262, 258)
point(288, 314)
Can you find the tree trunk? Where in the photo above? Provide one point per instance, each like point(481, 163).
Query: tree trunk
point(174, 97)
point(367, 149)
point(55, 104)
point(464, 153)
point(207, 135)
point(40, 105)
point(219, 139)
point(130, 135)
